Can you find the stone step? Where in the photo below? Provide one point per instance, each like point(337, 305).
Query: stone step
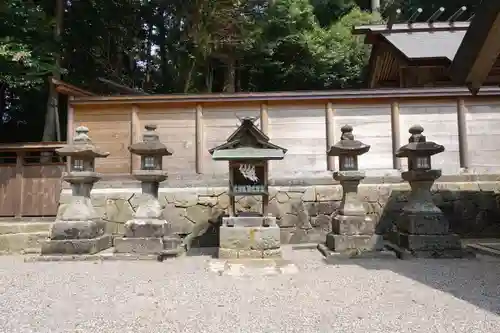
point(22, 242)
point(7, 228)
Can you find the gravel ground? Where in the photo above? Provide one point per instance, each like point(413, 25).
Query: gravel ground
point(183, 295)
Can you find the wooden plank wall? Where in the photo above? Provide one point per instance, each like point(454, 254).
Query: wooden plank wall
point(176, 129)
point(372, 126)
point(305, 129)
point(439, 121)
point(109, 129)
point(483, 131)
point(301, 130)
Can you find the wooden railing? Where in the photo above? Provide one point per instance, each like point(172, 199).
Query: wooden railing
point(30, 179)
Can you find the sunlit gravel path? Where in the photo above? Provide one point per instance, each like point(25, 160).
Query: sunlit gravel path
point(183, 295)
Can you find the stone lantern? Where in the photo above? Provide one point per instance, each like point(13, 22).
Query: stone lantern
point(352, 230)
point(245, 235)
point(422, 229)
point(148, 233)
point(80, 230)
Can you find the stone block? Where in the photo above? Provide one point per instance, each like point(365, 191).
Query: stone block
point(341, 243)
point(423, 224)
point(198, 213)
point(143, 245)
point(245, 221)
point(288, 220)
point(249, 254)
point(328, 193)
point(428, 242)
point(146, 228)
point(76, 246)
point(322, 222)
point(271, 254)
point(77, 229)
point(353, 225)
point(176, 218)
point(228, 253)
point(254, 238)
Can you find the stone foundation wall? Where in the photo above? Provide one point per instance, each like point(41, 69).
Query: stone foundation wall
point(304, 212)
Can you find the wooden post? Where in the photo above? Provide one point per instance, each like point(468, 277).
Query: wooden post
point(135, 136)
point(264, 127)
point(20, 183)
point(264, 119)
point(199, 139)
point(70, 128)
point(330, 134)
point(396, 134)
point(463, 142)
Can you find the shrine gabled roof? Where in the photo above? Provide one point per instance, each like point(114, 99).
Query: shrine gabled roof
point(417, 41)
point(248, 143)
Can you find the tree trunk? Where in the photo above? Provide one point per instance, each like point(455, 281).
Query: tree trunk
point(230, 75)
point(52, 130)
point(189, 76)
point(162, 30)
point(209, 77)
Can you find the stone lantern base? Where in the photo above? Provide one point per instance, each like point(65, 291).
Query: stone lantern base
point(146, 236)
point(249, 237)
point(76, 237)
point(422, 230)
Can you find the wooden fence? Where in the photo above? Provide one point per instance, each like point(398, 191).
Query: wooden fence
point(30, 179)
point(306, 123)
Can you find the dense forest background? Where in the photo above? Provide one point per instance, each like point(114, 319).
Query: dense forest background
point(177, 46)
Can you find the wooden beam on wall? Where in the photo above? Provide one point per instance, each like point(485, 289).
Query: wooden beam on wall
point(135, 131)
point(264, 119)
point(330, 134)
point(199, 139)
point(463, 142)
point(395, 134)
point(70, 128)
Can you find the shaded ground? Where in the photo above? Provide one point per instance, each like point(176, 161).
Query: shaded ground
point(183, 295)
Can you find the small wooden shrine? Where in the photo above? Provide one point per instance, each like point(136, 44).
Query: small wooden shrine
point(248, 149)
point(248, 235)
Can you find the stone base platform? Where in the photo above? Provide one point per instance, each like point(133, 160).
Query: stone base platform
point(332, 257)
point(76, 246)
point(146, 245)
point(255, 237)
point(252, 267)
point(225, 253)
point(448, 246)
point(106, 255)
point(484, 246)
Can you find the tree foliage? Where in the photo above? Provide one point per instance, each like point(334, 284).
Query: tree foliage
point(176, 46)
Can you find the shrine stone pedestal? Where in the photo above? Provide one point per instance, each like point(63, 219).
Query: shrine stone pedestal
point(147, 232)
point(249, 237)
point(353, 232)
point(422, 230)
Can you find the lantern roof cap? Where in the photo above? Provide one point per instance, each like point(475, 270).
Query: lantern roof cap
point(418, 144)
point(347, 144)
point(150, 144)
point(248, 142)
point(82, 146)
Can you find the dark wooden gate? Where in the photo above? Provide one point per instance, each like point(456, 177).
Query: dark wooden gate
point(30, 179)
